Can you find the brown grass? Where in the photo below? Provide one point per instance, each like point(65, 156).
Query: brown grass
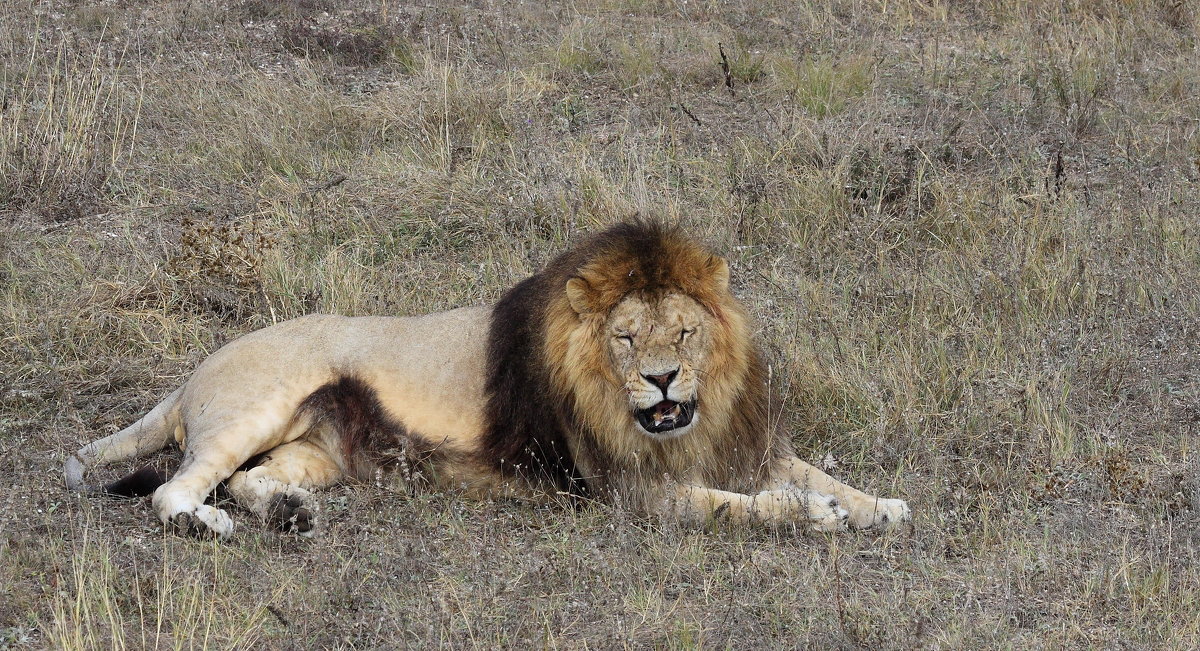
point(967, 231)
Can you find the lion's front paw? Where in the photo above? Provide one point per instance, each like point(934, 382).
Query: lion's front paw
point(824, 512)
point(203, 522)
point(879, 513)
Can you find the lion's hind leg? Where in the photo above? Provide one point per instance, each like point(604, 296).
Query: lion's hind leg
point(211, 455)
point(180, 502)
point(277, 489)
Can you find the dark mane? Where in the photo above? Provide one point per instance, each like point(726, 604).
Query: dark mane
point(525, 437)
point(531, 437)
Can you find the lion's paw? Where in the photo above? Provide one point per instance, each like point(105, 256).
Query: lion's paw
point(290, 512)
point(825, 512)
point(879, 513)
point(203, 522)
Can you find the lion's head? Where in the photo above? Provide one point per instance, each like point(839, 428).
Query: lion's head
point(652, 342)
point(628, 356)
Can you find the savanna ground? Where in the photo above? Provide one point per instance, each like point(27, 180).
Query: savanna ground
point(968, 232)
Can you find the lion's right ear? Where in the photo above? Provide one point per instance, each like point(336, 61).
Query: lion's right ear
point(579, 294)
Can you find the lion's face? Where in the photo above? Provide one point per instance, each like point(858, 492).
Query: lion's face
point(657, 348)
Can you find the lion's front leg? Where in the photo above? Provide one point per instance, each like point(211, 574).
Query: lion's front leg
point(866, 511)
point(697, 505)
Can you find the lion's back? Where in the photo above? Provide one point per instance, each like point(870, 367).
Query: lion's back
point(426, 370)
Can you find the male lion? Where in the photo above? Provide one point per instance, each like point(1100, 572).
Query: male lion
point(624, 371)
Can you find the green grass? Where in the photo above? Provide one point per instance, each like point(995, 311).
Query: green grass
point(967, 235)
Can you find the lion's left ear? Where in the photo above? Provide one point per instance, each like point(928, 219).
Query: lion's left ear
point(579, 295)
point(718, 273)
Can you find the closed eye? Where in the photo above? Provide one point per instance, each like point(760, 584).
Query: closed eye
point(626, 339)
point(683, 334)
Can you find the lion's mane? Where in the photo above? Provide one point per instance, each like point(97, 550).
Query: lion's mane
point(556, 412)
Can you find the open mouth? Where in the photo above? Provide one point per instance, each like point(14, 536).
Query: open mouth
point(666, 416)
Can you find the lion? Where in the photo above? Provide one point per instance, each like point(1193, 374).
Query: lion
point(623, 372)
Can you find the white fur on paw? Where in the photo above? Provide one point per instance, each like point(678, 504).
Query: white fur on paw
point(217, 520)
point(824, 511)
point(879, 513)
point(202, 522)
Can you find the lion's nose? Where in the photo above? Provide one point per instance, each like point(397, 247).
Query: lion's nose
point(663, 381)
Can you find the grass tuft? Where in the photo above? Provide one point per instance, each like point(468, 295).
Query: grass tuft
point(65, 129)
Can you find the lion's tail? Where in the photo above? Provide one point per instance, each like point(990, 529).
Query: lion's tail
point(149, 434)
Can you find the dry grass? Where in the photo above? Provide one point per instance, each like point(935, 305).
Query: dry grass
point(968, 233)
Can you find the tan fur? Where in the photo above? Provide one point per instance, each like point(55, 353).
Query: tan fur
point(614, 341)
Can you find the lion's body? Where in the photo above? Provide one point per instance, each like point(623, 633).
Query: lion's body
point(416, 366)
point(623, 371)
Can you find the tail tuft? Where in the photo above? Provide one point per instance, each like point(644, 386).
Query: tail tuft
point(140, 483)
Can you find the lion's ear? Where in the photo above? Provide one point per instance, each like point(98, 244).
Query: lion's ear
point(579, 294)
point(718, 270)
